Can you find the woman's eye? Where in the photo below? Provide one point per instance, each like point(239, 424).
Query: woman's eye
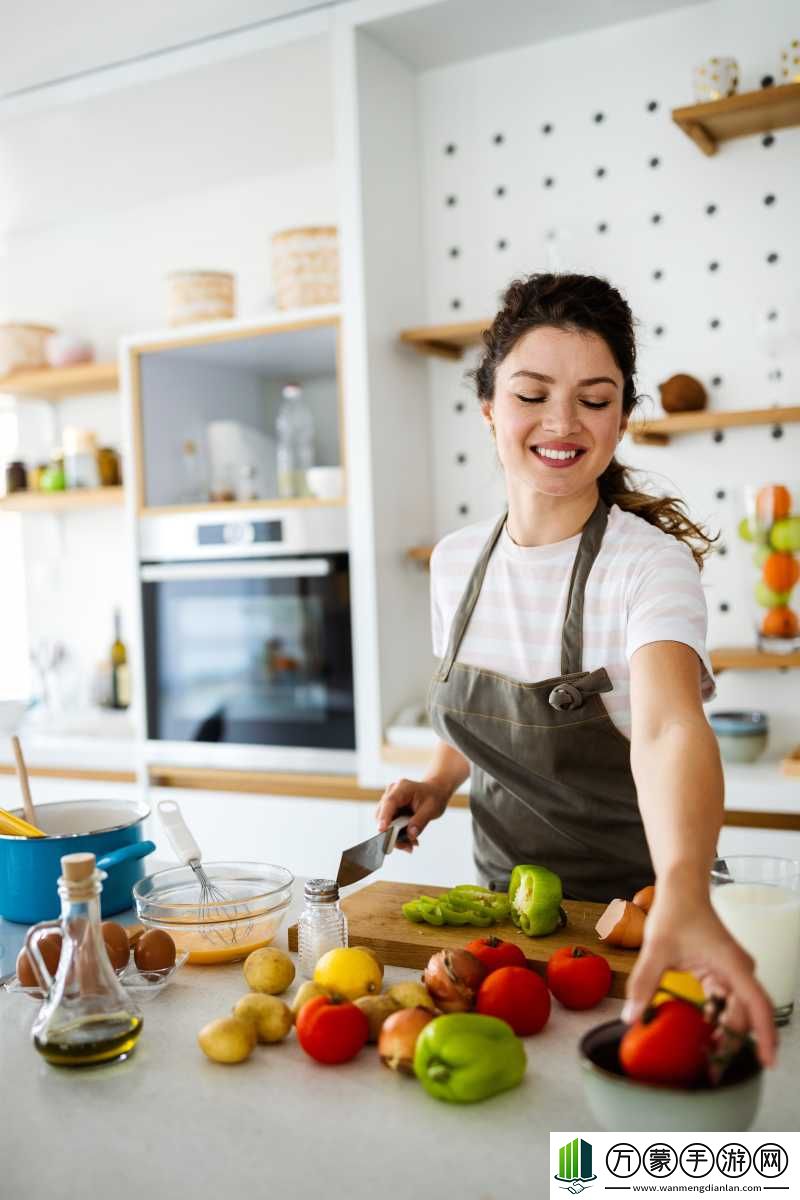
point(596, 403)
point(531, 399)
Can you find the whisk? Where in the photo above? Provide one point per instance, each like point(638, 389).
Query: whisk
point(215, 905)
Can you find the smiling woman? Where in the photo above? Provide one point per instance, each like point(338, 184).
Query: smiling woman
point(570, 633)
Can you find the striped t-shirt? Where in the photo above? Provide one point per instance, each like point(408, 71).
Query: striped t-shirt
point(644, 587)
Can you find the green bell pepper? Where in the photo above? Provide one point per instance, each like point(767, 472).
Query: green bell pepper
point(464, 1057)
point(535, 895)
point(462, 905)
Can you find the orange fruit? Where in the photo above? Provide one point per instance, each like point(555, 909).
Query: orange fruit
point(780, 622)
point(772, 503)
point(780, 572)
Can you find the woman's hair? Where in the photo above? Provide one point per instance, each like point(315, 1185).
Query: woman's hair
point(586, 303)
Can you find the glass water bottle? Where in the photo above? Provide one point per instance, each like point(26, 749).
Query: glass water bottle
point(87, 1017)
point(295, 430)
point(322, 925)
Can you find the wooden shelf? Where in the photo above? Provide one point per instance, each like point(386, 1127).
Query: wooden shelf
point(740, 116)
point(239, 505)
point(658, 432)
point(67, 501)
point(54, 383)
point(262, 783)
point(445, 341)
point(746, 658)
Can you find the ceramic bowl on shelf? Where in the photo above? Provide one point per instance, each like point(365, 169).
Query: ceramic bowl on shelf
point(619, 1102)
point(256, 898)
point(742, 735)
point(326, 483)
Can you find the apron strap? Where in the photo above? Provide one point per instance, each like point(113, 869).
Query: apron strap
point(469, 600)
point(572, 629)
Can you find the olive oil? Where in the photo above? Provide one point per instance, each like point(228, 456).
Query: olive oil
point(89, 1040)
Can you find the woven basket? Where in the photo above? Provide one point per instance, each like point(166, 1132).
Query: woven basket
point(305, 266)
point(200, 296)
point(22, 346)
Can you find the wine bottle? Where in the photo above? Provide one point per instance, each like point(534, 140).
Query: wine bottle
point(120, 680)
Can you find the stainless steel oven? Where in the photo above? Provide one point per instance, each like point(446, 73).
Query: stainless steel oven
point(247, 639)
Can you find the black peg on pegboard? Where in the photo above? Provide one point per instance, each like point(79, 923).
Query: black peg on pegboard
point(461, 459)
point(719, 494)
point(463, 510)
point(777, 431)
point(724, 606)
point(718, 436)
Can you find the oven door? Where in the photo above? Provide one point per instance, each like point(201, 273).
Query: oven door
point(249, 652)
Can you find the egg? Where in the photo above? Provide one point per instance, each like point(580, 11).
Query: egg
point(50, 949)
point(117, 944)
point(154, 951)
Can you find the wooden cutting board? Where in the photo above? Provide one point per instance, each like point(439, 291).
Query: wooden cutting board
point(375, 920)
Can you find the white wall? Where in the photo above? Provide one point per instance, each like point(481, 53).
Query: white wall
point(99, 201)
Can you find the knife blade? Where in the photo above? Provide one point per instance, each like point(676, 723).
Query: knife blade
point(359, 861)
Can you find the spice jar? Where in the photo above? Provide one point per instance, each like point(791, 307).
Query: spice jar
point(80, 458)
point(322, 925)
point(108, 466)
point(16, 477)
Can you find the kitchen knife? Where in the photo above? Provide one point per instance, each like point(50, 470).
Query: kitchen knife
point(361, 860)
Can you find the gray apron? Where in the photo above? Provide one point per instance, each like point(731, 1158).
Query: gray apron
point(551, 779)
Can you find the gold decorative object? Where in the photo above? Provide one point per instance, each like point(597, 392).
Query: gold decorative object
point(715, 78)
point(200, 296)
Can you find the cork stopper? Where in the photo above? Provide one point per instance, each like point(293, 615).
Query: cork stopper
point(77, 867)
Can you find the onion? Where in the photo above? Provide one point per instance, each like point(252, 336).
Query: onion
point(644, 898)
point(453, 977)
point(398, 1038)
point(622, 924)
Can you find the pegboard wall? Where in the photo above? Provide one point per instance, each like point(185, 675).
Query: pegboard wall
point(563, 155)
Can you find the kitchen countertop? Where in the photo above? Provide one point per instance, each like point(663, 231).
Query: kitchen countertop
point(169, 1122)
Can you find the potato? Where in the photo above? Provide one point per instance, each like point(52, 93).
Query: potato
point(268, 970)
point(307, 991)
point(411, 994)
point(227, 1040)
point(271, 1018)
point(376, 1009)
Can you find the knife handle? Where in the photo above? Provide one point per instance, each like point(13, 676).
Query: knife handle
point(395, 831)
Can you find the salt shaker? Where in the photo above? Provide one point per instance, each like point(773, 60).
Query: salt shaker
point(322, 925)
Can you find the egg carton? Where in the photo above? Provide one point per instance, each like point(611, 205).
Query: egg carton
point(142, 986)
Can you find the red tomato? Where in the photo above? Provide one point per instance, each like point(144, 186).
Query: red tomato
point(670, 1044)
point(330, 1030)
point(494, 953)
point(578, 977)
point(517, 995)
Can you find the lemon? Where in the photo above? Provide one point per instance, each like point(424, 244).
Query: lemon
point(682, 984)
point(350, 972)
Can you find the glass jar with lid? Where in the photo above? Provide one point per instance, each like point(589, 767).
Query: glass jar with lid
point(80, 458)
point(322, 925)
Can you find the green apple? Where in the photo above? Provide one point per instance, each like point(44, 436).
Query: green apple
point(52, 480)
point(760, 555)
point(767, 598)
point(785, 535)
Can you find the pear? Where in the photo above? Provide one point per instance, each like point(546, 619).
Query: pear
point(376, 1009)
point(411, 994)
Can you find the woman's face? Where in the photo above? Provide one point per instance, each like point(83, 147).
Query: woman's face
point(557, 411)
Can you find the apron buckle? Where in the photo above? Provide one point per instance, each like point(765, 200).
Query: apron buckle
point(565, 697)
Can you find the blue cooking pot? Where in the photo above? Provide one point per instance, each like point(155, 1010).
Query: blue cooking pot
point(30, 867)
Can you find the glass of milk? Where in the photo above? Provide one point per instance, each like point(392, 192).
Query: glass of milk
point(758, 900)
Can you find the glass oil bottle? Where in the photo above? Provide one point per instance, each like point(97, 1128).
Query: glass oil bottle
point(87, 1017)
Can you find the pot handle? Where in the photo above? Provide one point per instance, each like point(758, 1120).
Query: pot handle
point(34, 954)
point(125, 854)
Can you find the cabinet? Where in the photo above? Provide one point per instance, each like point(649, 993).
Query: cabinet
point(204, 403)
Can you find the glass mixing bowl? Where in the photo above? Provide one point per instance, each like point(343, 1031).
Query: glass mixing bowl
point(245, 912)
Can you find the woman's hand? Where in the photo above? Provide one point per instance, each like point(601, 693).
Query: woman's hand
point(426, 799)
point(683, 933)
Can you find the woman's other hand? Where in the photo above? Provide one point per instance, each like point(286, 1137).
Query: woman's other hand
point(426, 799)
point(684, 933)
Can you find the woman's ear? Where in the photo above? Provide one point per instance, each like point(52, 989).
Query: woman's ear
point(623, 425)
point(487, 411)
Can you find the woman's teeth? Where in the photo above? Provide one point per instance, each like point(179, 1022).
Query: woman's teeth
point(540, 450)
